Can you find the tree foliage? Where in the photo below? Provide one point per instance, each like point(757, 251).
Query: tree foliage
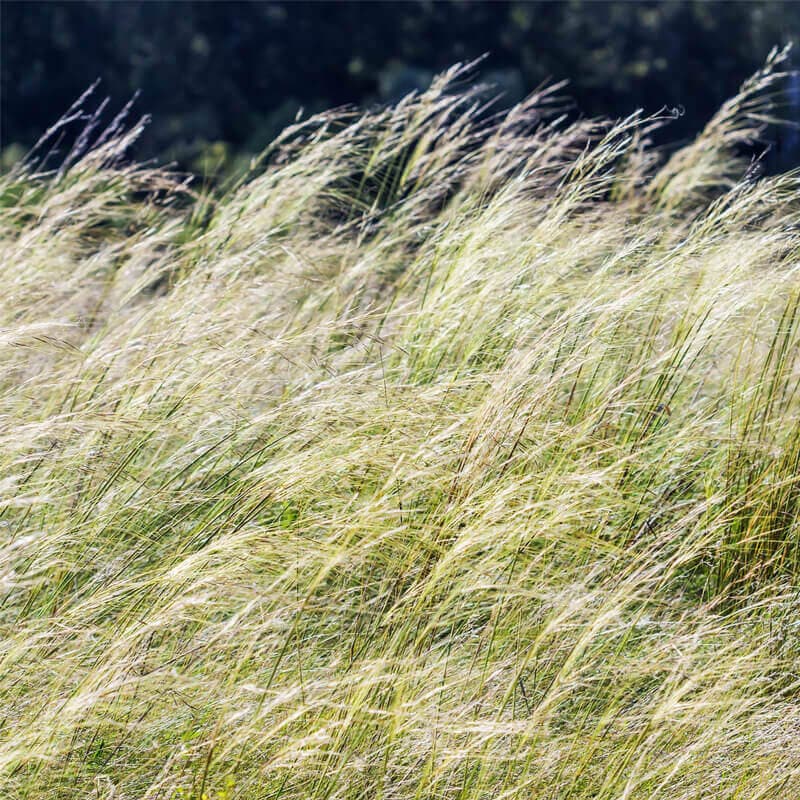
point(235, 73)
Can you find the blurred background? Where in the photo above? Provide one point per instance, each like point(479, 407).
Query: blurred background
point(220, 79)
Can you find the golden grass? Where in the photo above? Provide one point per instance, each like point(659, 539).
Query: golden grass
point(439, 457)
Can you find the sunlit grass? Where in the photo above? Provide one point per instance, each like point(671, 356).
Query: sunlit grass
point(442, 456)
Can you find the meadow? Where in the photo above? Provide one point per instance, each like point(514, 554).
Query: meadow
point(441, 455)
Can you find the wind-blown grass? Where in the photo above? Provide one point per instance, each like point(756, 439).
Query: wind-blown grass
point(442, 456)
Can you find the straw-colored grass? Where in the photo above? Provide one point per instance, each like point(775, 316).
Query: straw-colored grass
point(442, 457)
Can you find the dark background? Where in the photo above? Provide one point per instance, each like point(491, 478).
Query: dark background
point(221, 78)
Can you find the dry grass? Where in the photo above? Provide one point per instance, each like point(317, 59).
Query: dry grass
point(441, 457)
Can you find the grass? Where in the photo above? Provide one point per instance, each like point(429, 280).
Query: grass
point(443, 455)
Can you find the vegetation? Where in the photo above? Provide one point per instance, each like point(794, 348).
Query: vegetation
point(222, 79)
point(438, 457)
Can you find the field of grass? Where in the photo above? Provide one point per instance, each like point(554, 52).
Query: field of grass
point(442, 456)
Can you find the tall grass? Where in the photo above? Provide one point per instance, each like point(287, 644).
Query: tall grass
point(444, 455)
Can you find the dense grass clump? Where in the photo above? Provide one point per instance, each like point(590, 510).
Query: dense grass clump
point(442, 456)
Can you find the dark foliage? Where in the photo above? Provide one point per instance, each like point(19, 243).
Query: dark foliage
point(236, 72)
